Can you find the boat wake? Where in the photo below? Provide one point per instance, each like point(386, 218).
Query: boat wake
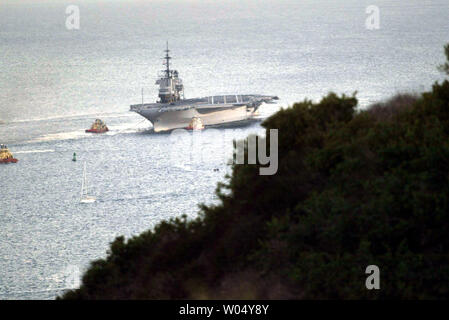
point(60, 136)
point(35, 151)
point(128, 128)
point(125, 128)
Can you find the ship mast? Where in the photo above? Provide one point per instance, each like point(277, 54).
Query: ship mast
point(167, 61)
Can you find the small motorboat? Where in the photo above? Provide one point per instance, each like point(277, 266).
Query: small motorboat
point(6, 156)
point(98, 127)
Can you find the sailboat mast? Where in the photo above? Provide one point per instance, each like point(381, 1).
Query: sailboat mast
point(82, 182)
point(85, 176)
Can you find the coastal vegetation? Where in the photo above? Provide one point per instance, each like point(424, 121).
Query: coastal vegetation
point(353, 188)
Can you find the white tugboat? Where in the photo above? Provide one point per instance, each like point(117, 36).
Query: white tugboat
point(173, 111)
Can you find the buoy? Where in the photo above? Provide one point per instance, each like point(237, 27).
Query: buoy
point(74, 156)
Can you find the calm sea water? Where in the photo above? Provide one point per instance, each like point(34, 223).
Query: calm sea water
point(54, 82)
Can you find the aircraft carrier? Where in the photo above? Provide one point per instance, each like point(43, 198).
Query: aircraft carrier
point(173, 111)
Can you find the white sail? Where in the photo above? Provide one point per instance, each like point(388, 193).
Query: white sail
point(85, 198)
point(82, 183)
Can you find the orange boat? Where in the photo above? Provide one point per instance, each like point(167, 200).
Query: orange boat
point(6, 156)
point(98, 127)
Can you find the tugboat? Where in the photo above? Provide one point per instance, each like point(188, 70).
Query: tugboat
point(6, 156)
point(195, 124)
point(98, 127)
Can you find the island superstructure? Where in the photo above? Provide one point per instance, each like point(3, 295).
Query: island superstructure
point(173, 111)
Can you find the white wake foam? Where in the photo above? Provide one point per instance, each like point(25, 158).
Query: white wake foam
point(34, 151)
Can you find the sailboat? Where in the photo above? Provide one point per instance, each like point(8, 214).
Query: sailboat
point(84, 197)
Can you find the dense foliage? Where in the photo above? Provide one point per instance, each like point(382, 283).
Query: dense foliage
point(352, 189)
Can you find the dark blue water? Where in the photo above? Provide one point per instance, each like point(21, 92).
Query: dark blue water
point(55, 82)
